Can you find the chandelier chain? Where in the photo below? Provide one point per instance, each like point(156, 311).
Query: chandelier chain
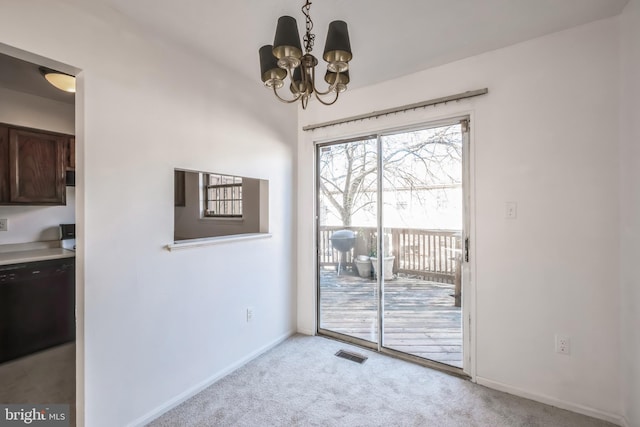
point(309, 37)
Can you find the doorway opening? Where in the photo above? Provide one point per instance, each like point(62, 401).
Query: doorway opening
point(392, 221)
point(42, 124)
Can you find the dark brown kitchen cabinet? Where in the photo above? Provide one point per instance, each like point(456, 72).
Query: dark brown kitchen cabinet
point(71, 153)
point(37, 306)
point(33, 166)
point(4, 164)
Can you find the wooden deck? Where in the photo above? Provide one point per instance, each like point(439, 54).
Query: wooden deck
point(420, 317)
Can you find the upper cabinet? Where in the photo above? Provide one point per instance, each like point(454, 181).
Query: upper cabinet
point(33, 166)
point(4, 164)
point(71, 153)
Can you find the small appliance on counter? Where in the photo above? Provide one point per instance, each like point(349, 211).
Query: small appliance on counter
point(70, 179)
point(68, 236)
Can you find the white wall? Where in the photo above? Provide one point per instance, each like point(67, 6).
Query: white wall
point(546, 137)
point(630, 211)
point(23, 109)
point(36, 223)
point(156, 325)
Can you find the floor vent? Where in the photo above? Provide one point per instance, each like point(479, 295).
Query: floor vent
point(354, 357)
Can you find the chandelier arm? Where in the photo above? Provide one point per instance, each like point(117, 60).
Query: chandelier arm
point(331, 87)
point(315, 89)
point(286, 101)
point(327, 103)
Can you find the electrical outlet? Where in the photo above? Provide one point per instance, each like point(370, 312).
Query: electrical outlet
point(249, 314)
point(4, 224)
point(563, 345)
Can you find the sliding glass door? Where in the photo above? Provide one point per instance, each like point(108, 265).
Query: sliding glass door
point(347, 220)
point(391, 222)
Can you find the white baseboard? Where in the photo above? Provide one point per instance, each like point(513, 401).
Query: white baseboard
point(155, 413)
point(308, 332)
point(548, 400)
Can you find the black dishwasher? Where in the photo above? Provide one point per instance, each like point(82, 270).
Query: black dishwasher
point(37, 306)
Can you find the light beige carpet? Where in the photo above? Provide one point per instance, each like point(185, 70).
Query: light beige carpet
point(48, 376)
point(302, 383)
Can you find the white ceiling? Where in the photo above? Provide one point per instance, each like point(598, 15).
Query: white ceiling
point(388, 38)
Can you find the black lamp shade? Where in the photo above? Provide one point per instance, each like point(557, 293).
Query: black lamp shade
point(338, 46)
point(269, 65)
point(287, 40)
point(343, 78)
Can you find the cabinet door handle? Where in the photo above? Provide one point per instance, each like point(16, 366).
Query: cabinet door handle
point(35, 272)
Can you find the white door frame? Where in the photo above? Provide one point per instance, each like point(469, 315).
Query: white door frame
point(468, 240)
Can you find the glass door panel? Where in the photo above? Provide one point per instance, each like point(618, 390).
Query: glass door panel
point(347, 218)
point(422, 216)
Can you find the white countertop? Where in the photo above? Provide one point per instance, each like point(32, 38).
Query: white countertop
point(25, 254)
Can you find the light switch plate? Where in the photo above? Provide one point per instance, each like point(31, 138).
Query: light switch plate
point(511, 210)
point(4, 224)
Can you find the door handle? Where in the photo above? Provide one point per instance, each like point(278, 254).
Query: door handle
point(466, 249)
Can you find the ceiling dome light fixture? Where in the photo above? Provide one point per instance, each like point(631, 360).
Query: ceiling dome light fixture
point(62, 81)
point(284, 58)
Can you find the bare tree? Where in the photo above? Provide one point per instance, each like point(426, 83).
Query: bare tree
point(413, 161)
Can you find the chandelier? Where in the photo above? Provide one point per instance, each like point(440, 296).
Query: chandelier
point(284, 58)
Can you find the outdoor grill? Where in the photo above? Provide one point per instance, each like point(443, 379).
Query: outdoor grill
point(343, 241)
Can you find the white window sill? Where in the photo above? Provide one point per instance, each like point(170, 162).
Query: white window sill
point(221, 220)
point(210, 241)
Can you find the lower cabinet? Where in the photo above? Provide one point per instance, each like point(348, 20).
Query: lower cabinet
point(37, 306)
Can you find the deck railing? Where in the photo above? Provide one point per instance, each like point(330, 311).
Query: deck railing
point(431, 254)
